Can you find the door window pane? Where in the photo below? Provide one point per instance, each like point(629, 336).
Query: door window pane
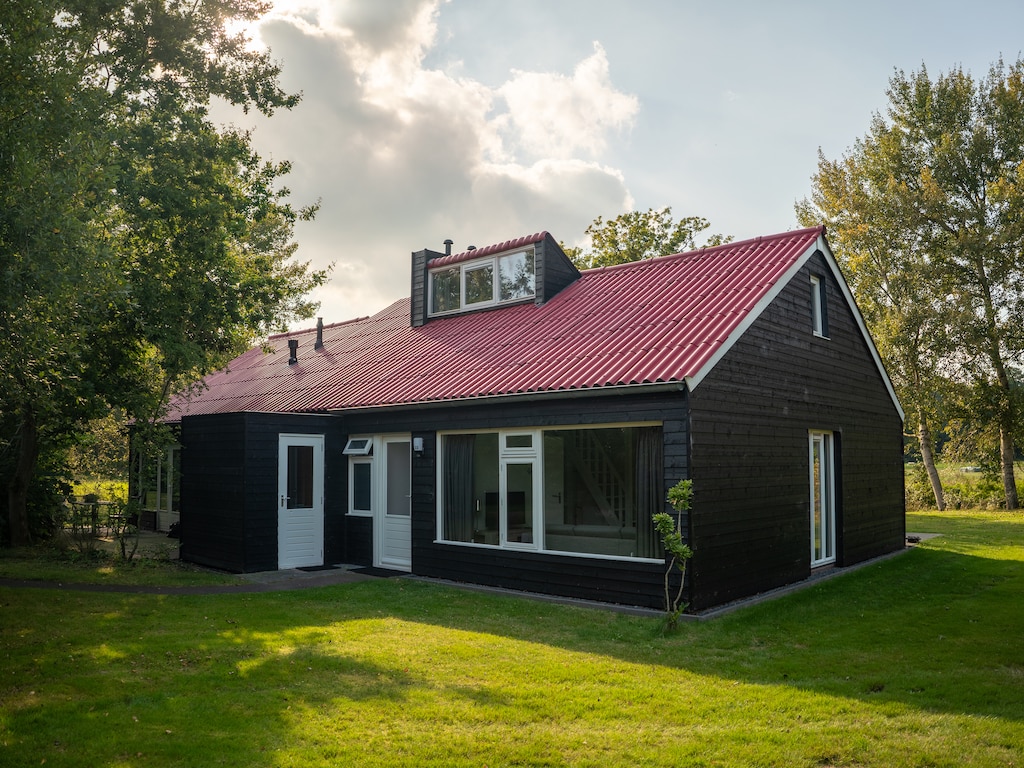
point(399, 486)
point(300, 477)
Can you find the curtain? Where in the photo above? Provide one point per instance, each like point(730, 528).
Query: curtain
point(458, 487)
point(650, 488)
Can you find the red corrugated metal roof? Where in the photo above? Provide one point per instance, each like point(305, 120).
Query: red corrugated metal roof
point(660, 320)
point(476, 253)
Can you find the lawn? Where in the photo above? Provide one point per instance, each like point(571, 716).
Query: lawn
point(917, 660)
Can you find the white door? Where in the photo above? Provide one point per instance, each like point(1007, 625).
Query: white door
point(300, 508)
point(392, 533)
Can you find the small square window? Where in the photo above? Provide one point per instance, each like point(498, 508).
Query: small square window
point(359, 446)
point(519, 441)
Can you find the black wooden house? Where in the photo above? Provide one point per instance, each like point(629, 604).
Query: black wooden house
point(515, 423)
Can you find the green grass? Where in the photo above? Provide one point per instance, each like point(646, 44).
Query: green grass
point(917, 660)
point(104, 567)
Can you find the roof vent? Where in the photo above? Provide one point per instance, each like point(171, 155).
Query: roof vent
point(471, 248)
point(448, 247)
point(293, 351)
point(319, 333)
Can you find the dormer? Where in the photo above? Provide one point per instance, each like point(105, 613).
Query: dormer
point(528, 270)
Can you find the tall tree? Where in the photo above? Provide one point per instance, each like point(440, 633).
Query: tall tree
point(140, 245)
point(890, 275)
point(637, 235)
point(947, 162)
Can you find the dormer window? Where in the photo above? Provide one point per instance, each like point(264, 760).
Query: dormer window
point(483, 282)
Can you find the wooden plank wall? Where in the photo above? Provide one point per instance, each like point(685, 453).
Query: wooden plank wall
point(553, 268)
point(213, 490)
point(750, 422)
point(229, 487)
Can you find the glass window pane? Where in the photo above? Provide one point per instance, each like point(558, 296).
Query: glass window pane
point(516, 276)
point(519, 441)
point(399, 481)
point(471, 488)
point(174, 479)
point(600, 488)
point(519, 501)
point(444, 290)
point(361, 493)
point(300, 477)
point(479, 284)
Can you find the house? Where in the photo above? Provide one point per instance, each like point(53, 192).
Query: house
point(515, 423)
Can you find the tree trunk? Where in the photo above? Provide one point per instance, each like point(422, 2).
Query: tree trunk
point(924, 437)
point(17, 492)
point(1006, 463)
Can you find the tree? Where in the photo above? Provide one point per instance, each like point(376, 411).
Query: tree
point(637, 235)
point(946, 166)
point(140, 246)
point(890, 275)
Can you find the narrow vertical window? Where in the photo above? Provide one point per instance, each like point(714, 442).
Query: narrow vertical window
point(819, 312)
point(822, 487)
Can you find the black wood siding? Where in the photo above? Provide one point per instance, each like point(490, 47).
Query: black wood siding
point(751, 417)
point(229, 487)
point(554, 270)
point(213, 491)
point(419, 296)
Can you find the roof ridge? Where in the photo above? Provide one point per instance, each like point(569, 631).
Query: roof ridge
point(300, 331)
point(710, 249)
point(487, 250)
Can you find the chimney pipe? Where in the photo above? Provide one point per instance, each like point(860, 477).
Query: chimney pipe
point(448, 247)
point(293, 351)
point(319, 333)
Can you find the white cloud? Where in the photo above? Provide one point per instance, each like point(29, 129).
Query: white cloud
point(552, 115)
point(403, 156)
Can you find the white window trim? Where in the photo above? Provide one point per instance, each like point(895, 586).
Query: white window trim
point(817, 308)
point(537, 453)
point(358, 446)
point(360, 457)
point(468, 266)
point(828, 459)
point(353, 462)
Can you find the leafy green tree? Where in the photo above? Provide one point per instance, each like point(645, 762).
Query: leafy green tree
point(140, 246)
point(945, 167)
point(890, 274)
point(637, 235)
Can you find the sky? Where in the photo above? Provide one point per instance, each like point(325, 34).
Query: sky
point(486, 120)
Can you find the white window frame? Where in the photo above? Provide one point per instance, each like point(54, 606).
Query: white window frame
point(358, 446)
point(521, 455)
point(352, 464)
point(818, 308)
point(491, 262)
point(361, 455)
point(827, 484)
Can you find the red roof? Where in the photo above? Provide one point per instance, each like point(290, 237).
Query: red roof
point(660, 320)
